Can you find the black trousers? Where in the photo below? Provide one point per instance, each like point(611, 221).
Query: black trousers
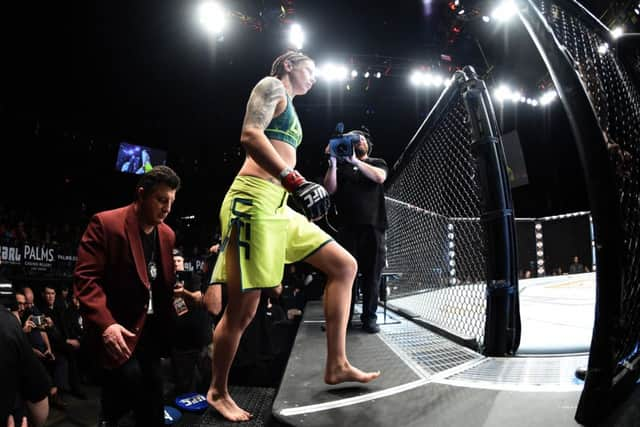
point(191, 369)
point(366, 244)
point(136, 385)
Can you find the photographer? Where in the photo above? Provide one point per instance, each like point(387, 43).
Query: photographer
point(356, 182)
point(192, 335)
point(23, 378)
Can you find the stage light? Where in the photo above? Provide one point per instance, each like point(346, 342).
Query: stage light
point(461, 12)
point(415, 78)
point(354, 73)
point(540, 249)
point(617, 32)
point(332, 72)
point(378, 75)
point(212, 17)
point(485, 18)
point(548, 97)
point(502, 93)
point(437, 80)
point(603, 48)
point(296, 36)
point(504, 11)
point(367, 74)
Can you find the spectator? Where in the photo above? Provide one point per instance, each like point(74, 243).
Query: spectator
point(576, 266)
point(22, 375)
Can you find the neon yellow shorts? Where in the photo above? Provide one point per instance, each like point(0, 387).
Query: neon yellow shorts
point(270, 234)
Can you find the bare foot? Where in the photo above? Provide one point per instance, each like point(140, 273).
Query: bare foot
point(346, 372)
point(224, 404)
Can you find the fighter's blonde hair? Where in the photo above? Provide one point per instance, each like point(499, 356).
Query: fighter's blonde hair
point(277, 68)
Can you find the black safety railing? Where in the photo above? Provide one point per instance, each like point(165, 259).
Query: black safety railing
point(596, 77)
point(452, 234)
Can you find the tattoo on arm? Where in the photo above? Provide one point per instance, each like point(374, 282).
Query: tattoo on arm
point(262, 103)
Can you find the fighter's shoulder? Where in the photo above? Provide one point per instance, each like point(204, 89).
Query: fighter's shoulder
point(269, 85)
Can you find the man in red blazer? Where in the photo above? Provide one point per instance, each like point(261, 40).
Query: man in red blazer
point(124, 281)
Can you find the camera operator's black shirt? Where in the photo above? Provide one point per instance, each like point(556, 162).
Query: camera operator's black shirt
point(20, 371)
point(359, 200)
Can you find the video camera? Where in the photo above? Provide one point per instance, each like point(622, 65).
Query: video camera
point(341, 144)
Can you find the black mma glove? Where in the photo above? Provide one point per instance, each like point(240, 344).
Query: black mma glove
point(312, 198)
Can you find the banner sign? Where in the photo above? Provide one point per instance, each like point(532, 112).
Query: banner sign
point(38, 257)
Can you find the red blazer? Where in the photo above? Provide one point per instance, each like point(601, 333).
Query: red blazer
point(110, 278)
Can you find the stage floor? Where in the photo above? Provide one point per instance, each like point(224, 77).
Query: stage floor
point(426, 380)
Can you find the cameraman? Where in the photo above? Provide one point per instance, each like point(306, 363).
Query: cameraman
point(356, 183)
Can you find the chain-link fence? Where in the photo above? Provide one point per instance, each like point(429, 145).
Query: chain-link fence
point(616, 101)
point(597, 77)
point(435, 239)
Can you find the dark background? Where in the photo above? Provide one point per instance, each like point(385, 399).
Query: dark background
point(78, 78)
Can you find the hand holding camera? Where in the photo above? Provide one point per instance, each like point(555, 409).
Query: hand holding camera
point(342, 146)
point(38, 321)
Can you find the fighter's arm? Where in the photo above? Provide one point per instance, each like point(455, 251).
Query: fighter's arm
point(267, 100)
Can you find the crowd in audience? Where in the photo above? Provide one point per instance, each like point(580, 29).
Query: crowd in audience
point(50, 319)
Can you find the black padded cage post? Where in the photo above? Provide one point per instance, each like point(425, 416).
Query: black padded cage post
point(452, 233)
point(599, 92)
point(502, 328)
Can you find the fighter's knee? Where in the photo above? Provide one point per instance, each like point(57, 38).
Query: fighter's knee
point(345, 267)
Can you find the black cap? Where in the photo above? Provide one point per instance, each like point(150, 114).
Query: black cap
point(177, 252)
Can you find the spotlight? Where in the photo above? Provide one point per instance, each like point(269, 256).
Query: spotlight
point(415, 78)
point(485, 18)
point(354, 73)
point(603, 48)
point(332, 72)
point(617, 32)
point(502, 93)
point(378, 75)
point(367, 74)
point(504, 11)
point(548, 97)
point(296, 36)
point(212, 17)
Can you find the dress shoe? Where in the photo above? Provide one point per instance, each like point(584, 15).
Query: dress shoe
point(371, 328)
